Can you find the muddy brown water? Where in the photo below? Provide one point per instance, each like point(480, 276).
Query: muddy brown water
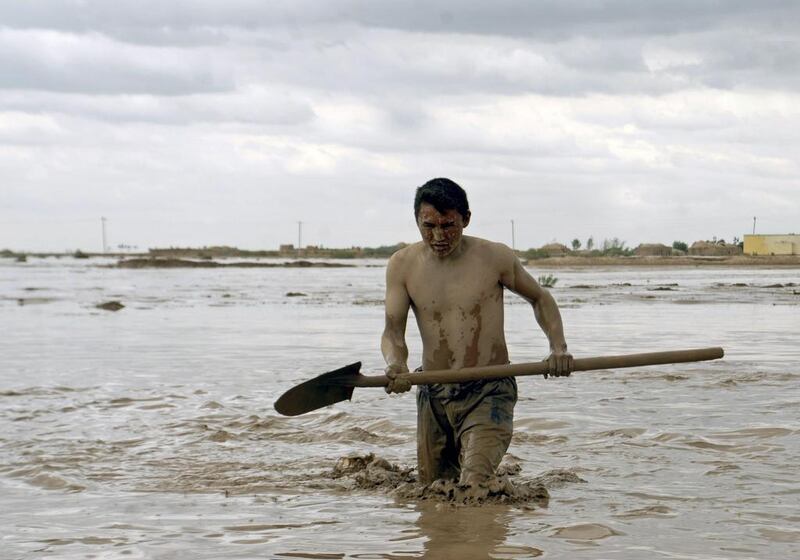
point(149, 432)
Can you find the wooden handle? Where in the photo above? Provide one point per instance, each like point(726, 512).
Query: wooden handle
point(539, 368)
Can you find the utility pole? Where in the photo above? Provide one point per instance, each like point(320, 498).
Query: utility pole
point(299, 235)
point(103, 225)
point(754, 225)
point(513, 237)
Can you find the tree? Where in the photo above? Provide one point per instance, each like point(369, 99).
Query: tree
point(615, 247)
point(590, 244)
point(576, 244)
point(680, 246)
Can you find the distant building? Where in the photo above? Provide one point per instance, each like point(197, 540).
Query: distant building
point(555, 250)
point(286, 248)
point(772, 244)
point(713, 249)
point(653, 250)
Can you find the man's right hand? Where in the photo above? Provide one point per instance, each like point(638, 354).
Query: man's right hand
point(560, 364)
point(397, 385)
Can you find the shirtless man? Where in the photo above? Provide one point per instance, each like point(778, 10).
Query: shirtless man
point(454, 284)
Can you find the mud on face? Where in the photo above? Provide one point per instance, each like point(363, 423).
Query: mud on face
point(441, 232)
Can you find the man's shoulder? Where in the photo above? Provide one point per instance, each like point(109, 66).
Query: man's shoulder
point(491, 254)
point(487, 247)
point(408, 252)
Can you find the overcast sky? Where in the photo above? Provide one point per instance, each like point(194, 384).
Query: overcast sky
point(189, 123)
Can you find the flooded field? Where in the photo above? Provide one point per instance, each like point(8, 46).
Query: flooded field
point(149, 432)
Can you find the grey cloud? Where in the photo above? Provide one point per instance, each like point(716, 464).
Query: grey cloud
point(406, 48)
point(727, 58)
point(553, 19)
point(395, 63)
point(46, 60)
point(254, 114)
point(250, 107)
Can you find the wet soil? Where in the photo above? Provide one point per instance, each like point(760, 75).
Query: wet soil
point(374, 473)
point(184, 263)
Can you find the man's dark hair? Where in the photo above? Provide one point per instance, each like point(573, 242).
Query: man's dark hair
point(443, 194)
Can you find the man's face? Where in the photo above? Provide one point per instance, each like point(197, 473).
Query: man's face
point(441, 231)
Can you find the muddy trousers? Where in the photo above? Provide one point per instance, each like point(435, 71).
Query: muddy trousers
point(464, 438)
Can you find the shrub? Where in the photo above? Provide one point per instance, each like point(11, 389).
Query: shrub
point(548, 281)
point(535, 254)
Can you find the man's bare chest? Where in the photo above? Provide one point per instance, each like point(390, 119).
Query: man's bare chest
point(458, 288)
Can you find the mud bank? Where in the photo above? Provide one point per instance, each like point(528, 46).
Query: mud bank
point(789, 261)
point(372, 473)
point(183, 263)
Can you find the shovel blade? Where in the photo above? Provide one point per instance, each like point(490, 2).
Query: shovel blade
point(324, 390)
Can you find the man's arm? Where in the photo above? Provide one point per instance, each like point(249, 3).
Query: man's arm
point(545, 309)
point(393, 341)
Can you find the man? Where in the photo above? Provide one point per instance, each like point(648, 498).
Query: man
point(454, 284)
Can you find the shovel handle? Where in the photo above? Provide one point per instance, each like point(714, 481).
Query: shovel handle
point(540, 368)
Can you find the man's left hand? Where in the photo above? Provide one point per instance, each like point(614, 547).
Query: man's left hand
point(397, 384)
point(560, 364)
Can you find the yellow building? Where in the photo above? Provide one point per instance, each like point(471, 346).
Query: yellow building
point(772, 244)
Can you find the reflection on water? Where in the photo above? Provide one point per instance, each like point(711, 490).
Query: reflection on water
point(149, 432)
point(474, 532)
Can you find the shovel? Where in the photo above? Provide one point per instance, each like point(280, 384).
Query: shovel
point(338, 385)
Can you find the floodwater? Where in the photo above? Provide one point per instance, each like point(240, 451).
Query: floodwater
point(150, 433)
